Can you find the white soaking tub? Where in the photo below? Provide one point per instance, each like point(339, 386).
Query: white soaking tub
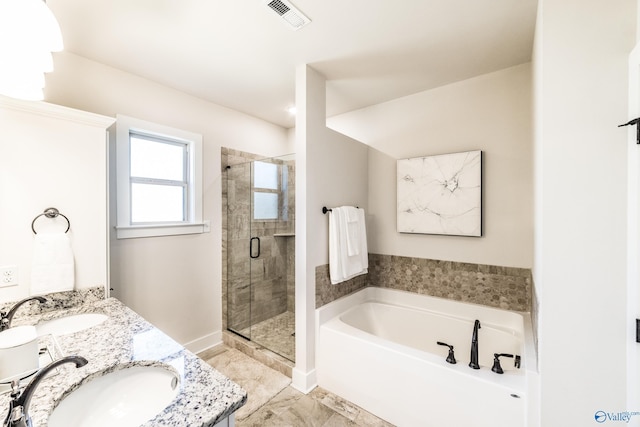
point(377, 348)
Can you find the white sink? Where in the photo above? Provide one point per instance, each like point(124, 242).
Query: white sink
point(123, 398)
point(70, 324)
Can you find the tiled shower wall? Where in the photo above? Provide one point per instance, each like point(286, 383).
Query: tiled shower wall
point(503, 287)
point(254, 290)
point(291, 274)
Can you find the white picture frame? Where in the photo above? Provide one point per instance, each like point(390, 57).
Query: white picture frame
point(440, 194)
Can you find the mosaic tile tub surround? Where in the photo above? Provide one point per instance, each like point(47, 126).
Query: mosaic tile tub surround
point(507, 288)
point(326, 292)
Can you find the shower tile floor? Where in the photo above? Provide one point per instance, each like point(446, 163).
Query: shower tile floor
point(272, 402)
point(276, 334)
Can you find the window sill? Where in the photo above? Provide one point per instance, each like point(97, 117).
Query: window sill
point(138, 231)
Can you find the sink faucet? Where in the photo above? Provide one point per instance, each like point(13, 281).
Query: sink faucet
point(6, 317)
point(18, 415)
point(474, 346)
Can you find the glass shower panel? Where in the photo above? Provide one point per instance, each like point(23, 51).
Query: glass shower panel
point(262, 280)
point(238, 238)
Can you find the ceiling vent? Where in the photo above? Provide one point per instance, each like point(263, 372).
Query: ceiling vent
point(288, 12)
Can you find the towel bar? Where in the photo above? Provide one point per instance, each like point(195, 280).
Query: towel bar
point(326, 209)
point(50, 213)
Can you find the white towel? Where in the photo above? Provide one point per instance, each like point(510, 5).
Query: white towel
point(353, 229)
point(53, 268)
point(348, 256)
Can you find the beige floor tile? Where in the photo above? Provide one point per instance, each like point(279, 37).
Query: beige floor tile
point(338, 420)
point(367, 419)
point(272, 402)
point(340, 405)
point(260, 418)
point(211, 352)
point(283, 400)
point(306, 412)
point(260, 382)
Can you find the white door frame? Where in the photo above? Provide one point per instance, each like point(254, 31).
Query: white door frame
point(633, 236)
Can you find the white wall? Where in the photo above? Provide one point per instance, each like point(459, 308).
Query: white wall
point(331, 170)
point(581, 96)
point(52, 157)
point(174, 282)
point(492, 113)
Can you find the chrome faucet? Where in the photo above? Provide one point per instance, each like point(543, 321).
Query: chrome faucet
point(474, 346)
point(18, 415)
point(6, 317)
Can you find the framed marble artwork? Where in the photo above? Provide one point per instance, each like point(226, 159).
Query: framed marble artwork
point(440, 194)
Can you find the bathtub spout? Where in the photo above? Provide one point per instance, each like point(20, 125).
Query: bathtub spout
point(474, 346)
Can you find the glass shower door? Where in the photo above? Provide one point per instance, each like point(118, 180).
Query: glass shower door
point(261, 282)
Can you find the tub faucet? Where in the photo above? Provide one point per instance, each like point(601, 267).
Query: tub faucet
point(18, 415)
point(474, 346)
point(6, 317)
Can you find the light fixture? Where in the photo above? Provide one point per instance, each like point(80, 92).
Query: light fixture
point(29, 33)
point(292, 110)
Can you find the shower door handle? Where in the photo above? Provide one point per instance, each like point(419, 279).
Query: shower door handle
point(251, 251)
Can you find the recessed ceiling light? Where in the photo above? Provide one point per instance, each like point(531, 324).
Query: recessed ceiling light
point(292, 110)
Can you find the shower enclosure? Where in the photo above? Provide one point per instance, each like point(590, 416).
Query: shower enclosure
point(260, 252)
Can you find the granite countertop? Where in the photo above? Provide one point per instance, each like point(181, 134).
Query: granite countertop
point(125, 340)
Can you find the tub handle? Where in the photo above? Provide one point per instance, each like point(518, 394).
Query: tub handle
point(451, 358)
point(496, 362)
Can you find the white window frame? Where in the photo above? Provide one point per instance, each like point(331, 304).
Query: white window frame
point(194, 223)
point(263, 190)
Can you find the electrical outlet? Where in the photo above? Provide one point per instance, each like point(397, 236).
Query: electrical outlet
point(8, 275)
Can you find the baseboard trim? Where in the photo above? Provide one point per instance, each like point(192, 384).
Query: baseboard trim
point(304, 381)
point(205, 342)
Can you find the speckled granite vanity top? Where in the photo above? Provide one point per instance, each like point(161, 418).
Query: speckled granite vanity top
point(124, 340)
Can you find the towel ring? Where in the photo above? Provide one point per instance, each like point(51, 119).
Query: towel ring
point(50, 213)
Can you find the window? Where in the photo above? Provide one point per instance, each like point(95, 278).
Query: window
point(159, 180)
point(269, 191)
point(265, 191)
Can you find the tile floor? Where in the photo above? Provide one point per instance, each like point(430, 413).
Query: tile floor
point(273, 402)
point(276, 334)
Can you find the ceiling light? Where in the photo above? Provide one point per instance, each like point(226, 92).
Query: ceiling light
point(29, 33)
point(292, 110)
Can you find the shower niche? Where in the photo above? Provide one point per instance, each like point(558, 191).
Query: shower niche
point(260, 250)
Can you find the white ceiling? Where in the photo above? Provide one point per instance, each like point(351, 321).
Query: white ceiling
point(241, 54)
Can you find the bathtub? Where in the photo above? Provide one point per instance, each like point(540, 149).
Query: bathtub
point(377, 348)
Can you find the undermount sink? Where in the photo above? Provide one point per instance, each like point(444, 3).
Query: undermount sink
point(70, 324)
point(123, 398)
